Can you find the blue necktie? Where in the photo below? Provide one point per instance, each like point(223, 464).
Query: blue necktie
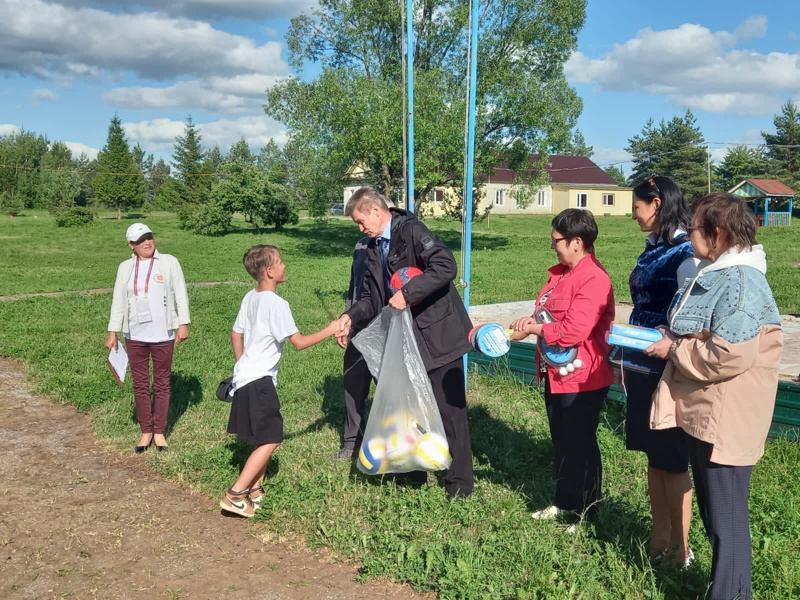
point(383, 245)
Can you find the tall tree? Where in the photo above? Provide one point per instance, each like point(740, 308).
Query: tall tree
point(787, 134)
point(741, 162)
point(675, 149)
point(618, 175)
point(188, 158)
point(23, 152)
point(352, 111)
point(119, 182)
point(577, 146)
point(240, 152)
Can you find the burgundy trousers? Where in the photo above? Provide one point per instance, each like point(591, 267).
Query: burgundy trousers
point(152, 417)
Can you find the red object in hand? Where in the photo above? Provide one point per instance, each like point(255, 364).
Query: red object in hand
point(402, 277)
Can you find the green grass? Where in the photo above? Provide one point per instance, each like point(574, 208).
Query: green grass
point(487, 547)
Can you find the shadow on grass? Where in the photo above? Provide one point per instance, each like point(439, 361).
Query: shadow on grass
point(186, 391)
point(240, 452)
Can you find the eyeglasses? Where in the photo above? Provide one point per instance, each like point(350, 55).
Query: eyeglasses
point(144, 238)
point(554, 241)
point(689, 230)
point(651, 179)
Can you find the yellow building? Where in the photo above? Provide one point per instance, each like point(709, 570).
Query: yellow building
point(575, 182)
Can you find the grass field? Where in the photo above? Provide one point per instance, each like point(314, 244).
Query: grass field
point(487, 547)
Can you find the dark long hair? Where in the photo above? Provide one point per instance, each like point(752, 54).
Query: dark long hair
point(673, 214)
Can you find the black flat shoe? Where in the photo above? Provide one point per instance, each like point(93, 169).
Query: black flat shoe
point(162, 448)
point(140, 449)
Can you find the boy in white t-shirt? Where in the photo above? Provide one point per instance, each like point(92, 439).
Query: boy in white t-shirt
point(262, 326)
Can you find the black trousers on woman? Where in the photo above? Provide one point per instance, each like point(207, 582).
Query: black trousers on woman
point(722, 493)
point(573, 422)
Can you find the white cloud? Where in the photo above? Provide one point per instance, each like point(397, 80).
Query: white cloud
point(77, 149)
point(754, 27)
point(695, 68)
point(225, 95)
point(42, 94)
point(254, 9)
point(7, 129)
point(158, 135)
point(61, 44)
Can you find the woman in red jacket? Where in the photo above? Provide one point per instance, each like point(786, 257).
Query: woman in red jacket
point(580, 299)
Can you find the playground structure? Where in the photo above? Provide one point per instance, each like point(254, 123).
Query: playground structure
point(761, 192)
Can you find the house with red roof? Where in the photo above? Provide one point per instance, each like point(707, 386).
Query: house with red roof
point(574, 182)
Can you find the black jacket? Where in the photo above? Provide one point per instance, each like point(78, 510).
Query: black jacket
point(441, 323)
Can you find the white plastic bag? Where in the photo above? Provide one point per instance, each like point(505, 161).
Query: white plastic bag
point(404, 431)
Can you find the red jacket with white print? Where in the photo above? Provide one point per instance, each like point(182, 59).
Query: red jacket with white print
point(582, 303)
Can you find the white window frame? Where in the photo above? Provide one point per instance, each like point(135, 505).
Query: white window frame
point(500, 197)
point(606, 198)
point(585, 196)
point(541, 198)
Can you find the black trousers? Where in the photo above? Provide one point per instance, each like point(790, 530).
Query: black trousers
point(573, 422)
point(356, 381)
point(722, 496)
point(451, 398)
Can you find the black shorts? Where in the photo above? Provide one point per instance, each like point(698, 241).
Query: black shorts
point(256, 413)
point(666, 449)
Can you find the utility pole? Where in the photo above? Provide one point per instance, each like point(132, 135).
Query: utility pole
point(708, 164)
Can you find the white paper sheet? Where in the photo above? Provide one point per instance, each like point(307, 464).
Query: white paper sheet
point(118, 363)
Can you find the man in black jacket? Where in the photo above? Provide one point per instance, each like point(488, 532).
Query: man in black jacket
point(441, 323)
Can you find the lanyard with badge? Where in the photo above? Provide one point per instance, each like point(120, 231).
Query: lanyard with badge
point(142, 303)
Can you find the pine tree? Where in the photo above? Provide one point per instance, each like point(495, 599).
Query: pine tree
point(740, 163)
point(188, 157)
point(787, 133)
point(119, 182)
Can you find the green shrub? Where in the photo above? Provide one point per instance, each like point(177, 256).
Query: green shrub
point(11, 204)
point(74, 216)
point(206, 219)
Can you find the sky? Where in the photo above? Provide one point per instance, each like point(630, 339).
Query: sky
point(67, 67)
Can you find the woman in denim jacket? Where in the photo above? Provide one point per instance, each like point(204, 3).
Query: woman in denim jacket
point(724, 346)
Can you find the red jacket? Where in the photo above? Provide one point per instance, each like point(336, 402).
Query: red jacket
point(582, 303)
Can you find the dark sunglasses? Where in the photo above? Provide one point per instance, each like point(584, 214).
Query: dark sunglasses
point(651, 179)
point(144, 238)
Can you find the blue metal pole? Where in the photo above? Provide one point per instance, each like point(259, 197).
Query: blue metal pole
point(410, 83)
point(468, 200)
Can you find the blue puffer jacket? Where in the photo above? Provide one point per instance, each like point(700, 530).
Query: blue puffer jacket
point(720, 383)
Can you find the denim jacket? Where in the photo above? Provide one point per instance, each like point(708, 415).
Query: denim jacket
point(720, 383)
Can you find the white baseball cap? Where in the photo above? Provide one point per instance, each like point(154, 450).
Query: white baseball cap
point(136, 231)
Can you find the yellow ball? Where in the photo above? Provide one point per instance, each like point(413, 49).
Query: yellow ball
point(372, 456)
point(400, 446)
point(432, 453)
point(397, 423)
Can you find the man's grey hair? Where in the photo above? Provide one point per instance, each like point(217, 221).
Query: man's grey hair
point(365, 197)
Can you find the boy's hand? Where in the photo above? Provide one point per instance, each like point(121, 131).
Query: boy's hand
point(342, 341)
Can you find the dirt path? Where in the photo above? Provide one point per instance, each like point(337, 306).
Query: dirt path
point(80, 521)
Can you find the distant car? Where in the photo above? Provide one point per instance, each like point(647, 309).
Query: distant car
point(337, 209)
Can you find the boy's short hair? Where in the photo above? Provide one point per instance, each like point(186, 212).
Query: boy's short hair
point(365, 197)
point(258, 258)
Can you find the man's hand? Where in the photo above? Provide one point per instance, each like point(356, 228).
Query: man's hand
point(398, 301)
point(344, 326)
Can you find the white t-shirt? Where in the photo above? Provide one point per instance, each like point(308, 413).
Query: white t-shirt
point(265, 320)
point(155, 330)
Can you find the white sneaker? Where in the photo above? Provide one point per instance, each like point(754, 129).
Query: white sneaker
point(551, 512)
point(689, 560)
point(572, 529)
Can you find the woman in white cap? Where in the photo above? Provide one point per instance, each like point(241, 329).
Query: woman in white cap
point(151, 308)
